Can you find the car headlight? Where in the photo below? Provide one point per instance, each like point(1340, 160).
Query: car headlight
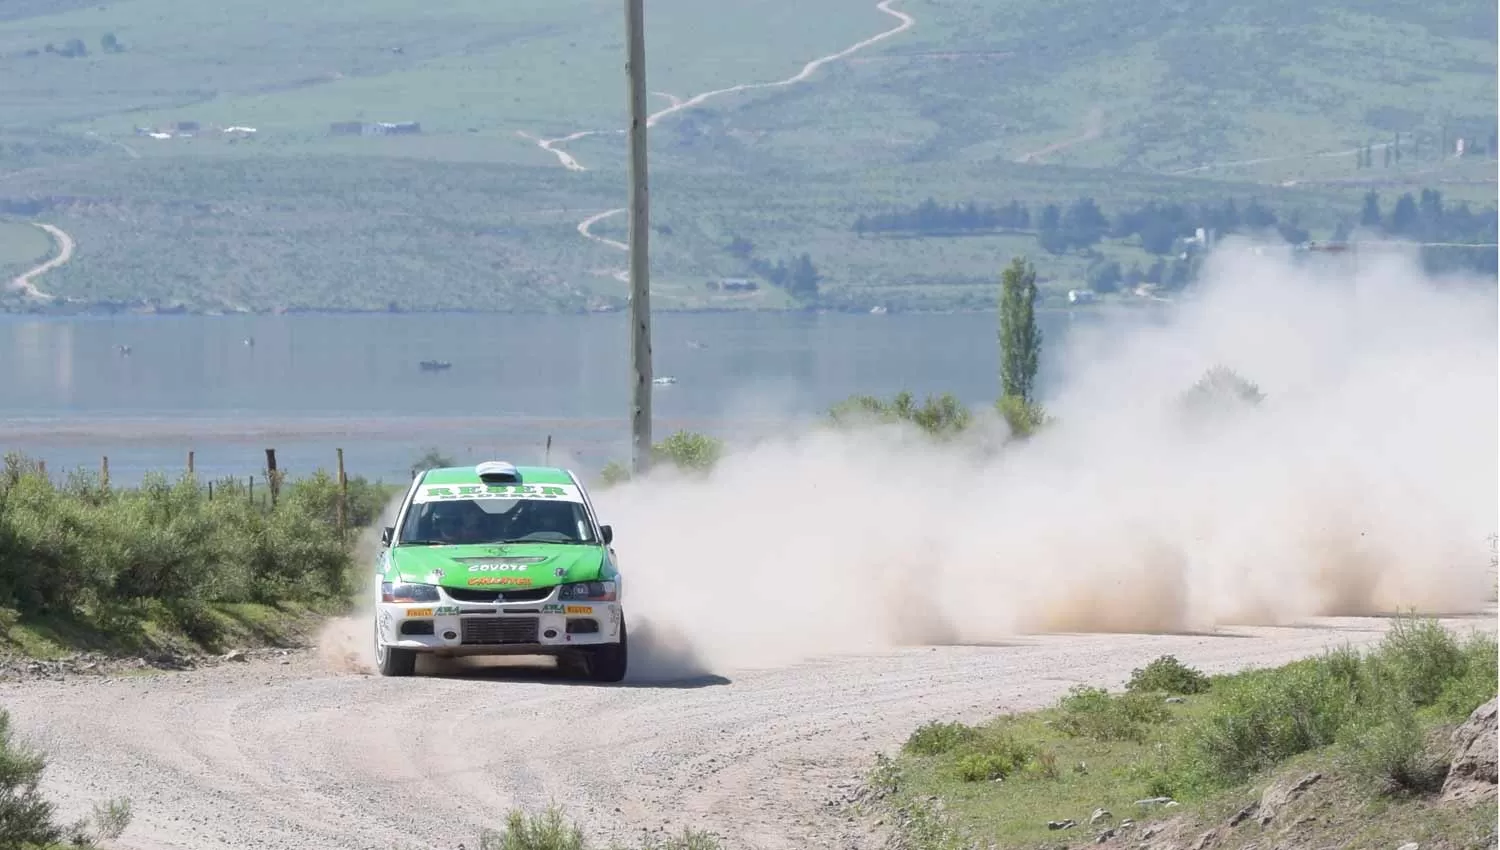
point(407, 592)
point(588, 591)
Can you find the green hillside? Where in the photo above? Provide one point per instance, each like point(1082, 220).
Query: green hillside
point(1299, 109)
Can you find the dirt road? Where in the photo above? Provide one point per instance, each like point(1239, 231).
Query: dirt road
point(26, 283)
point(1093, 127)
point(295, 754)
point(570, 162)
point(904, 22)
point(585, 230)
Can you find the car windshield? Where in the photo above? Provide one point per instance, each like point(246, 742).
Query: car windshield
point(492, 520)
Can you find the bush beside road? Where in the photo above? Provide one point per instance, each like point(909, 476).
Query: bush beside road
point(1346, 749)
point(171, 567)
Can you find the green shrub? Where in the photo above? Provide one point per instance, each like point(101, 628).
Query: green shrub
point(972, 754)
point(614, 473)
point(1219, 390)
point(1389, 752)
point(1094, 713)
point(1419, 659)
point(885, 777)
point(1023, 417)
point(993, 755)
point(1265, 716)
point(688, 451)
point(1043, 765)
point(1476, 684)
point(25, 817)
point(1167, 675)
point(111, 818)
point(1379, 705)
point(82, 550)
point(941, 416)
point(551, 830)
point(983, 767)
point(934, 738)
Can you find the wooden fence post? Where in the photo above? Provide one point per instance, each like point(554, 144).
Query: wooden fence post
point(41, 468)
point(190, 463)
point(343, 497)
point(210, 491)
point(273, 479)
point(104, 473)
point(252, 490)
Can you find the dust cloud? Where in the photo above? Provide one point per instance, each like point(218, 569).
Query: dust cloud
point(1364, 482)
point(346, 644)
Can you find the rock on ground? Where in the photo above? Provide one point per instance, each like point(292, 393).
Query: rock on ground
point(1282, 793)
point(1472, 776)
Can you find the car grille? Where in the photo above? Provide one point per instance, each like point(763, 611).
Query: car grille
point(469, 594)
point(489, 631)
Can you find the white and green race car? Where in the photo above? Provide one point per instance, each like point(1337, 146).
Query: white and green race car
point(499, 559)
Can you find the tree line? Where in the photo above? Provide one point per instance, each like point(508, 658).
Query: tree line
point(931, 218)
point(1161, 226)
point(1082, 224)
point(1426, 217)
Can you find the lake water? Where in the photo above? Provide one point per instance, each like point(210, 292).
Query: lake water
point(312, 383)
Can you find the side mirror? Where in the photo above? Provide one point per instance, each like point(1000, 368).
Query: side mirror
point(386, 534)
point(609, 534)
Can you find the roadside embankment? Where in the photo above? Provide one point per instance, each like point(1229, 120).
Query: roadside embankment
point(1390, 748)
point(167, 573)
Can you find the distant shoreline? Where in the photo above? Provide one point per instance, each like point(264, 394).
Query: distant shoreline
point(93, 311)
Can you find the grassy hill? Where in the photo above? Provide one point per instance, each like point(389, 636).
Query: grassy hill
point(976, 101)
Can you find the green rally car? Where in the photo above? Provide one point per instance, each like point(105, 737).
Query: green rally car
point(498, 559)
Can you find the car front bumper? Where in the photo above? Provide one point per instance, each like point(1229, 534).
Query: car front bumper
point(466, 628)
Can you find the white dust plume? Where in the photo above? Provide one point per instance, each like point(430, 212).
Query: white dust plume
point(1363, 482)
point(347, 644)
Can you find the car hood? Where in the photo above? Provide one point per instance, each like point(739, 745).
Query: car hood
point(529, 564)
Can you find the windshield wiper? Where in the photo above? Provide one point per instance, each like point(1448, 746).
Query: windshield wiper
point(554, 542)
point(424, 543)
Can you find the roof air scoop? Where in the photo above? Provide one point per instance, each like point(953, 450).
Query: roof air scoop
point(497, 472)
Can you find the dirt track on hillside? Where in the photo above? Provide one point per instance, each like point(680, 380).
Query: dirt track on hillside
point(26, 283)
point(294, 754)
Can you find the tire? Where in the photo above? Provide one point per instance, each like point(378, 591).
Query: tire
point(607, 663)
point(393, 661)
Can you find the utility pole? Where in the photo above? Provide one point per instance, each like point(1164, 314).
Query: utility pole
point(640, 228)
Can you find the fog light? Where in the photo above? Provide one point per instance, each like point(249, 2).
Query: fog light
point(550, 634)
point(450, 635)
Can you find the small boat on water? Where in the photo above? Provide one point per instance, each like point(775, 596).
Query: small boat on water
point(435, 365)
point(664, 380)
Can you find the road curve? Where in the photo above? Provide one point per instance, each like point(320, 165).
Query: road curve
point(26, 283)
point(569, 162)
point(299, 753)
point(585, 229)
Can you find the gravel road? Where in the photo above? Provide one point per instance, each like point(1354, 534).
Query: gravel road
point(290, 753)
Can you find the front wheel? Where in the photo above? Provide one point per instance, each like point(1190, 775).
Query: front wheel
point(607, 662)
point(393, 661)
